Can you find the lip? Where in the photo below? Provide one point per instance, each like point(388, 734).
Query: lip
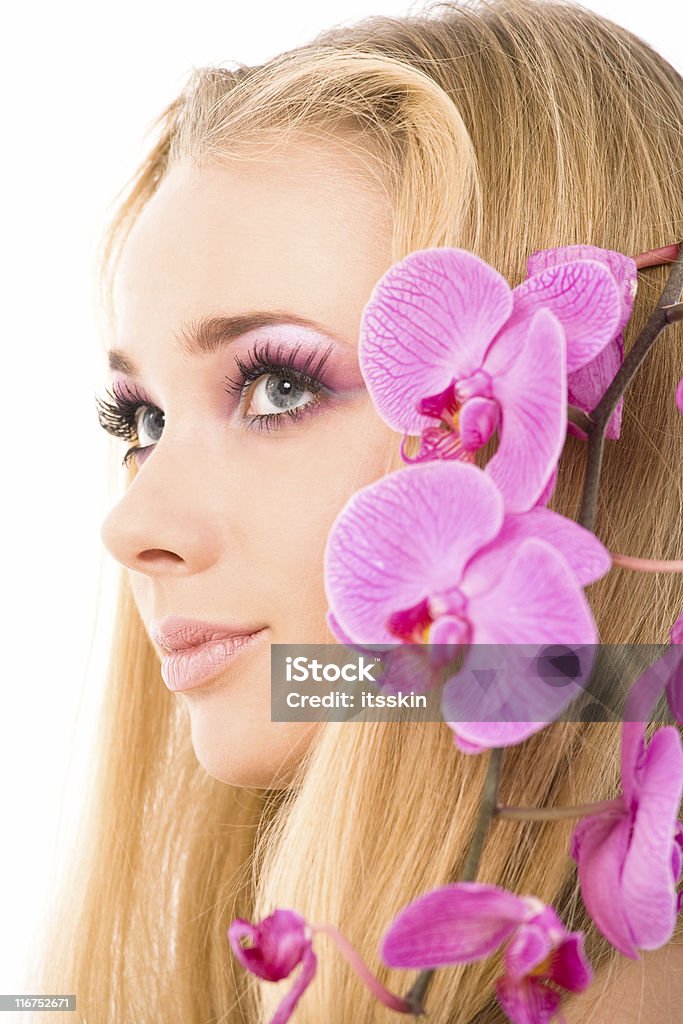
point(176, 633)
point(198, 651)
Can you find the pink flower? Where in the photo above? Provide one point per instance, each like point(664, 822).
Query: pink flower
point(664, 674)
point(444, 338)
point(679, 395)
point(468, 921)
point(629, 857)
point(587, 385)
point(280, 943)
point(428, 555)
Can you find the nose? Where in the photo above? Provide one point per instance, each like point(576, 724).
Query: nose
point(167, 523)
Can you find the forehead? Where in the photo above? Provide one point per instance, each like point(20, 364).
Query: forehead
point(306, 229)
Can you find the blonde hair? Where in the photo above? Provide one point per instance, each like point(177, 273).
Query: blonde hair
point(502, 127)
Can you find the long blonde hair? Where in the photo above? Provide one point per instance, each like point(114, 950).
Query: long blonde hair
point(502, 127)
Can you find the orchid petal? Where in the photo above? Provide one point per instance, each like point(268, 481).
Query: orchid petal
point(465, 746)
point(453, 924)
point(599, 846)
point(475, 737)
point(585, 388)
point(648, 893)
point(644, 693)
point(527, 366)
point(528, 1001)
point(587, 385)
point(408, 669)
point(372, 650)
point(568, 964)
point(403, 536)
point(623, 269)
point(587, 557)
point(430, 317)
point(536, 601)
point(303, 980)
point(584, 297)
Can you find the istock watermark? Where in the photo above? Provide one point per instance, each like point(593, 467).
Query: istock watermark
point(482, 682)
point(300, 669)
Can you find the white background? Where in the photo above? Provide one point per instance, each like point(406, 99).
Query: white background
point(82, 84)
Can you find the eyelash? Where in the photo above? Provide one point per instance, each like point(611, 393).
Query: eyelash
point(119, 416)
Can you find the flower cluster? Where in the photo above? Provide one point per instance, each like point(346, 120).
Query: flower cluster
point(488, 380)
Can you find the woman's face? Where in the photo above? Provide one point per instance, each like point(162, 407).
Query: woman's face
point(227, 516)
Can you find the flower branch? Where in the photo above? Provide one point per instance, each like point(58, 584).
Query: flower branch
point(556, 813)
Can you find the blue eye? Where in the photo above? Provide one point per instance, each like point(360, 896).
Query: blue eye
point(121, 417)
point(280, 383)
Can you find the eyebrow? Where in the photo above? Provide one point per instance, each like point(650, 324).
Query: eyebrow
point(208, 334)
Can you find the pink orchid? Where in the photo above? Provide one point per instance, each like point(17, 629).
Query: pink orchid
point(467, 921)
point(428, 555)
point(587, 384)
point(280, 942)
point(679, 395)
point(444, 337)
point(629, 855)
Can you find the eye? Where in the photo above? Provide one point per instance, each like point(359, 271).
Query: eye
point(283, 391)
point(277, 392)
point(148, 420)
point(131, 416)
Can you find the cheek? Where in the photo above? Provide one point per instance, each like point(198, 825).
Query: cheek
point(302, 484)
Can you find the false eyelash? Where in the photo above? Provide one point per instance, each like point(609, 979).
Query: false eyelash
point(119, 417)
point(263, 362)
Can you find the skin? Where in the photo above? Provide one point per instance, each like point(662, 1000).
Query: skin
point(645, 991)
point(223, 522)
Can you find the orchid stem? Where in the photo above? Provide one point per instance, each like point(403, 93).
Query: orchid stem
point(556, 813)
point(487, 810)
point(668, 310)
point(354, 958)
point(646, 564)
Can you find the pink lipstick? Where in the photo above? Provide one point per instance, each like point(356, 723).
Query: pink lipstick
point(198, 651)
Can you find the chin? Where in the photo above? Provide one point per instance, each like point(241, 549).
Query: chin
point(266, 758)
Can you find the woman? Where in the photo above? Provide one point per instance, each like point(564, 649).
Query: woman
point(290, 189)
